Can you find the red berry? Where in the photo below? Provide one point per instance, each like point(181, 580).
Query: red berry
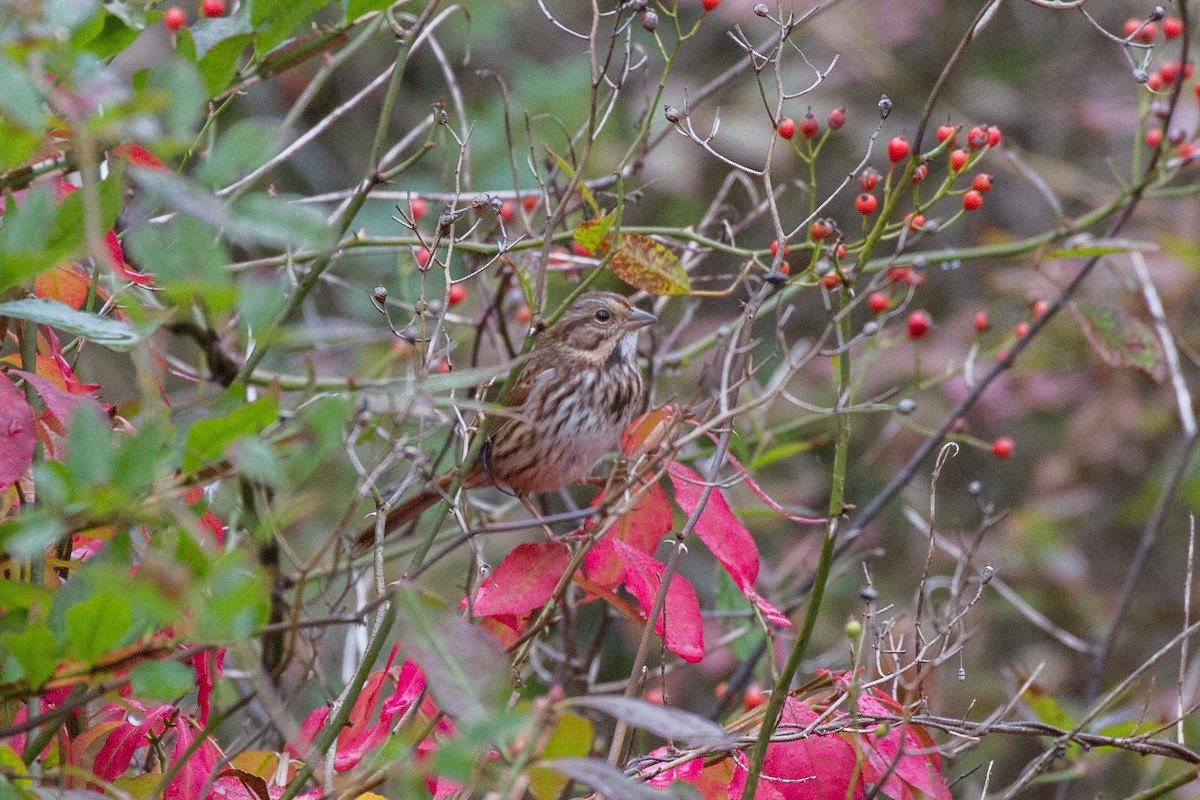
point(422, 256)
point(775, 248)
point(1020, 329)
point(559, 257)
point(841, 251)
point(1002, 447)
point(865, 203)
point(787, 128)
point(972, 200)
point(945, 132)
point(1154, 82)
point(809, 126)
point(821, 229)
point(981, 321)
point(915, 221)
point(457, 294)
point(1141, 33)
point(441, 366)
point(529, 202)
point(904, 275)
point(878, 302)
point(837, 118)
point(977, 137)
point(1154, 136)
point(785, 268)
point(958, 159)
point(174, 18)
point(898, 149)
point(918, 324)
point(1185, 150)
point(580, 250)
point(1039, 308)
point(1198, 91)
point(868, 179)
point(508, 211)
point(1001, 354)
point(831, 280)
point(417, 208)
point(709, 5)
point(1172, 27)
point(212, 8)
point(754, 697)
point(919, 173)
point(982, 182)
point(1169, 72)
point(993, 135)
point(524, 315)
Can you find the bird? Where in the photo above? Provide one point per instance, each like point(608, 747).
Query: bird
point(577, 390)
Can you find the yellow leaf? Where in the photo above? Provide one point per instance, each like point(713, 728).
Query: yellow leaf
point(644, 263)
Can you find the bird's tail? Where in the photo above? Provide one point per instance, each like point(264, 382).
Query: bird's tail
point(410, 509)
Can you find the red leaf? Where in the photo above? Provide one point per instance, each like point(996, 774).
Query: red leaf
point(188, 783)
point(643, 575)
point(208, 666)
point(61, 403)
point(724, 535)
point(66, 283)
point(523, 581)
point(813, 768)
point(642, 528)
point(18, 436)
point(118, 749)
point(298, 747)
point(138, 156)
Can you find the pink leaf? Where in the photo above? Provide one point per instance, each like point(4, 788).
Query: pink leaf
point(189, 781)
point(62, 404)
point(18, 436)
point(813, 768)
point(523, 581)
point(685, 630)
point(724, 535)
point(687, 771)
point(642, 528)
point(409, 685)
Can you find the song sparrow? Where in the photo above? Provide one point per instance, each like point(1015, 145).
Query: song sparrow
point(578, 389)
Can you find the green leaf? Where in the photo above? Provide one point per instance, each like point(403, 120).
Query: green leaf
point(20, 99)
point(257, 461)
point(572, 736)
point(220, 64)
point(235, 606)
point(36, 650)
point(114, 36)
point(96, 624)
point(67, 233)
point(161, 680)
point(274, 20)
point(1121, 340)
point(187, 260)
point(647, 265)
point(179, 85)
point(89, 449)
point(66, 16)
point(466, 669)
point(24, 233)
point(356, 8)
point(590, 234)
point(208, 438)
point(107, 331)
point(211, 32)
point(273, 220)
point(246, 145)
point(19, 594)
point(16, 144)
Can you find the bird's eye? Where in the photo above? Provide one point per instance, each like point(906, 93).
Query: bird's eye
point(602, 315)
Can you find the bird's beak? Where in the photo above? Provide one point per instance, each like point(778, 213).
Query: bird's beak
point(639, 319)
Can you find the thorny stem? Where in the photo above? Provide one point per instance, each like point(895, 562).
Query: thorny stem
point(837, 496)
